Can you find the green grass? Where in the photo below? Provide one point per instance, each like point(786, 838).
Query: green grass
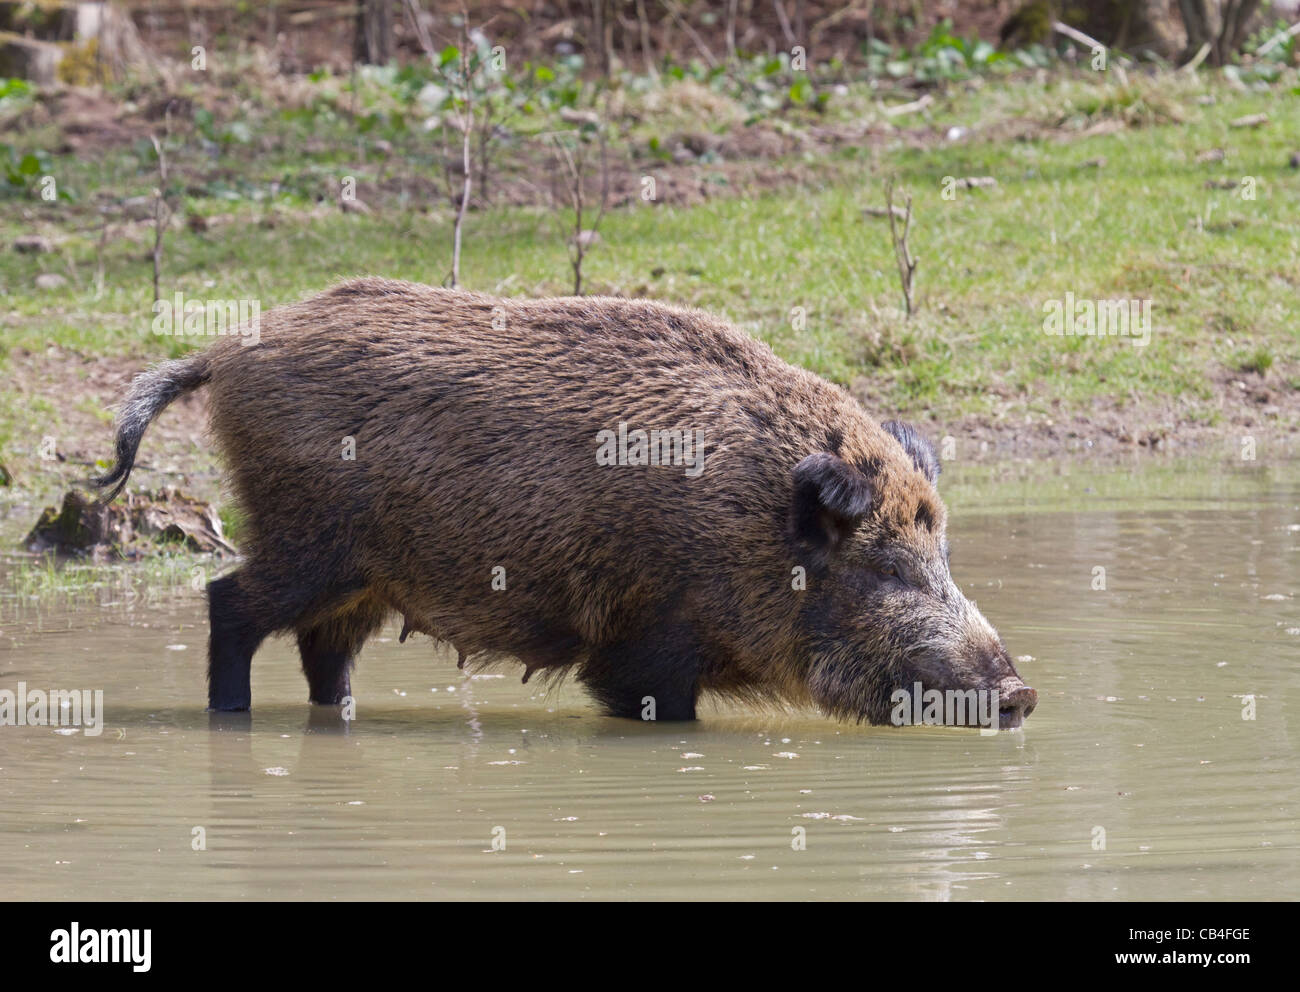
point(1222, 272)
point(31, 587)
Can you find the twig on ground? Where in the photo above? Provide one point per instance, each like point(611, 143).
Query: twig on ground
point(161, 215)
point(906, 261)
point(573, 162)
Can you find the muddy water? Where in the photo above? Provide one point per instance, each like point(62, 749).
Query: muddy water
point(1136, 778)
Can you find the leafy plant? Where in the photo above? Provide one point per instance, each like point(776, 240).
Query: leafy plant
point(1259, 361)
point(946, 56)
point(14, 91)
point(22, 170)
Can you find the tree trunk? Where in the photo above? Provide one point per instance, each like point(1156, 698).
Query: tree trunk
point(373, 38)
point(1139, 26)
point(1221, 24)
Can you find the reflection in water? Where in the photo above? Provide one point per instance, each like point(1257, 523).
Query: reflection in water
point(1137, 777)
point(467, 702)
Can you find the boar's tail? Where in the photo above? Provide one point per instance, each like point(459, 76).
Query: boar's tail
point(148, 395)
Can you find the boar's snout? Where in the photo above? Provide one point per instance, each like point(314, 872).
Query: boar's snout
point(1015, 699)
point(1015, 702)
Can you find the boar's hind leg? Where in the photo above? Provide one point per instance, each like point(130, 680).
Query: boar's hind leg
point(329, 648)
point(236, 628)
point(662, 665)
point(246, 606)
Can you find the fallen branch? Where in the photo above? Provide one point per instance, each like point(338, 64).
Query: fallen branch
point(305, 17)
point(1074, 34)
point(1198, 58)
point(1278, 39)
point(898, 212)
point(909, 108)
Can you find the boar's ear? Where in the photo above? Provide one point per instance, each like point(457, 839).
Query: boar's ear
point(830, 497)
point(921, 450)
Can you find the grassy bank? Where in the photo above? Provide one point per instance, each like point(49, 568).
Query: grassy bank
point(1105, 189)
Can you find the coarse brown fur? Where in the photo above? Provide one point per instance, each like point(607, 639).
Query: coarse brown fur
point(400, 448)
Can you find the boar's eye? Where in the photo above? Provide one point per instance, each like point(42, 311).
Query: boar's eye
point(897, 574)
point(889, 570)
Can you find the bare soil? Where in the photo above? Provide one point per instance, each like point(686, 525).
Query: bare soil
point(1249, 407)
point(176, 451)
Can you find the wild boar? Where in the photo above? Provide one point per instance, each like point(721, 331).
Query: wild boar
point(637, 493)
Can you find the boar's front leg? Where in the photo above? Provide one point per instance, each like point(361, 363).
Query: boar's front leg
point(329, 648)
point(652, 676)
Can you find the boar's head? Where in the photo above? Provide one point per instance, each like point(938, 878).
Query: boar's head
point(882, 612)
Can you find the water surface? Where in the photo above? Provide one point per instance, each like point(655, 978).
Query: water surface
point(1137, 777)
